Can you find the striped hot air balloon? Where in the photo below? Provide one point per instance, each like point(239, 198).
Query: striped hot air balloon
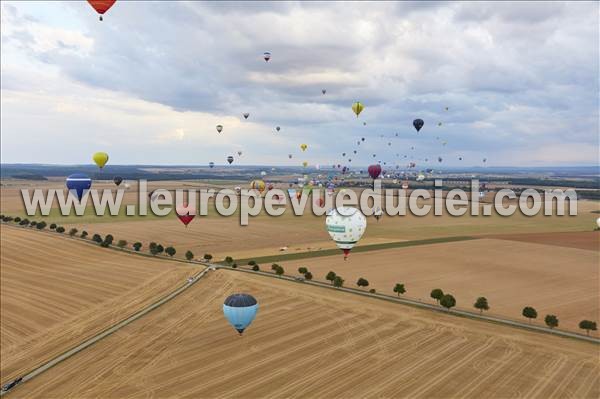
point(78, 183)
point(240, 310)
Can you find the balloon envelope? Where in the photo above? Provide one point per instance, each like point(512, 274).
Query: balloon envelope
point(240, 310)
point(357, 107)
point(101, 6)
point(418, 124)
point(184, 214)
point(230, 159)
point(117, 180)
point(346, 226)
point(267, 56)
point(100, 159)
point(79, 183)
point(374, 171)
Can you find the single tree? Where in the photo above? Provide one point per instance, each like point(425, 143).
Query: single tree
point(252, 263)
point(41, 225)
point(529, 312)
point(373, 291)
point(308, 275)
point(234, 266)
point(588, 326)
point(482, 304)
point(255, 267)
point(189, 255)
point(73, 231)
point(437, 294)
point(60, 229)
point(170, 251)
point(53, 226)
point(302, 270)
point(279, 270)
point(137, 246)
point(33, 223)
point(24, 222)
point(121, 243)
point(228, 260)
point(330, 276)
point(97, 238)
point(109, 239)
point(152, 245)
point(338, 282)
point(399, 289)
point(362, 282)
point(16, 220)
point(84, 234)
point(551, 320)
point(274, 266)
point(208, 257)
point(159, 249)
point(448, 301)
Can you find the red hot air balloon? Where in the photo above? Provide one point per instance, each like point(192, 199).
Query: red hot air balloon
point(101, 6)
point(374, 171)
point(185, 215)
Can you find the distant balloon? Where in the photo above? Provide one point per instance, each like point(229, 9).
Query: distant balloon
point(323, 91)
point(343, 154)
point(117, 180)
point(263, 173)
point(346, 226)
point(357, 107)
point(305, 164)
point(127, 186)
point(303, 147)
point(374, 171)
point(184, 214)
point(439, 123)
point(258, 185)
point(440, 159)
point(230, 159)
point(362, 139)
point(79, 183)
point(267, 56)
point(246, 115)
point(101, 6)
point(290, 156)
point(598, 222)
point(211, 164)
point(418, 124)
point(239, 153)
point(100, 158)
point(219, 128)
point(278, 128)
point(240, 310)
point(364, 123)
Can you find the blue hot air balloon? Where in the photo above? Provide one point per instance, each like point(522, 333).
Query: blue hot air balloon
point(240, 310)
point(79, 182)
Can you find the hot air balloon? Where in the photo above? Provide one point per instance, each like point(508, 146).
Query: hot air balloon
point(101, 6)
point(263, 173)
point(258, 185)
point(303, 147)
point(444, 142)
point(446, 108)
point(439, 123)
point(374, 171)
point(305, 164)
point(267, 56)
point(100, 158)
point(357, 107)
point(117, 180)
point(184, 214)
point(323, 91)
point(219, 128)
point(460, 158)
point(420, 177)
point(440, 159)
point(354, 151)
point(78, 182)
point(418, 124)
point(240, 310)
point(127, 186)
point(343, 154)
point(346, 226)
point(598, 222)
point(230, 159)
point(239, 153)
point(364, 123)
point(246, 115)
point(278, 128)
point(211, 164)
point(290, 156)
point(378, 213)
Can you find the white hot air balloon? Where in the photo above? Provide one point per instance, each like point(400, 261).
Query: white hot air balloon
point(420, 177)
point(598, 222)
point(346, 226)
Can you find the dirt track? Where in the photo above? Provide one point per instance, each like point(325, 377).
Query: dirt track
point(55, 291)
point(310, 342)
point(511, 275)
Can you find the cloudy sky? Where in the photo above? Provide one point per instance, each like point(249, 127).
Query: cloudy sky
point(149, 84)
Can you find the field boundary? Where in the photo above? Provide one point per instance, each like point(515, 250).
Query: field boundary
point(362, 248)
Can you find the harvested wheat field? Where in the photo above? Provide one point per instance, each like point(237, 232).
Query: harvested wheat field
point(312, 342)
point(511, 275)
point(56, 291)
point(589, 240)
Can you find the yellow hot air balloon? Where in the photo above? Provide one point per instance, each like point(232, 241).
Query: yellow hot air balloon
point(257, 185)
point(357, 107)
point(303, 147)
point(305, 164)
point(100, 158)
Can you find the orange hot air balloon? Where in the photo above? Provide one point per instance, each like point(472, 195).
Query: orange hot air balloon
point(101, 6)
